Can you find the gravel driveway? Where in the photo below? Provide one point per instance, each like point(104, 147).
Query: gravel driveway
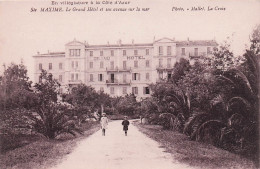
point(117, 151)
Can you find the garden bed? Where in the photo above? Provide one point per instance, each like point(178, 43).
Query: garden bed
point(39, 152)
point(193, 153)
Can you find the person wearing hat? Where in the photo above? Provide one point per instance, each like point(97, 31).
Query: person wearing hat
point(125, 124)
point(104, 123)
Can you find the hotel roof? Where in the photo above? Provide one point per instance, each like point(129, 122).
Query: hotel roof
point(50, 54)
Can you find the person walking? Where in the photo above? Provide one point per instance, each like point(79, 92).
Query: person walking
point(104, 123)
point(125, 124)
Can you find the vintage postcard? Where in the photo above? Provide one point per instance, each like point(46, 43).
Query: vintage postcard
point(129, 84)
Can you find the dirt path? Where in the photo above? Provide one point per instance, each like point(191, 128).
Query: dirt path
point(117, 151)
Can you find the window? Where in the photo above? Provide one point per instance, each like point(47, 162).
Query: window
point(40, 79)
point(208, 50)
point(77, 52)
point(124, 52)
point(50, 66)
point(124, 64)
point(169, 63)
point(160, 63)
point(136, 64)
point(135, 52)
point(147, 63)
point(90, 64)
point(136, 76)
point(147, 76)
point(90, 53)
point(112, 53)
point(196, 51)
point(77, 64)
point(112, 90)
point(182, 51)
point(169, 75)
point(91, 77)
point(135, 90)
point(124, 78)
point(147, 52)
point(160, 50)
point(60, 78)
point(160, 75)
point(71, 52)
point(101, 89)
point(112, 65)
point(72, 64)
point(101, 53)
point(72, 77)
point(60, 65)
point(124, 90)
point(101, 64)
point(169, 50)
point(40, 66)
point(146, 90)
point(100, 77)
point(74, 52)
point(77, 76)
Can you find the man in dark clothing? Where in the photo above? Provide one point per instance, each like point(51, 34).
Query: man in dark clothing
point(125, 123)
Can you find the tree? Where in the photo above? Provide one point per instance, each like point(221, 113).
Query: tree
point(180, 69)
point(15, 87)
point(48, 116)
point(127, 105)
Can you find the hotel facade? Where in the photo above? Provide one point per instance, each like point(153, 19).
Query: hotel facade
point(119, 69)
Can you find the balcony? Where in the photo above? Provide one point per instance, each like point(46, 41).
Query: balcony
point(116, 69)
point(118, 82)
point(164, 68)
point(75, 81)
point(198, 55)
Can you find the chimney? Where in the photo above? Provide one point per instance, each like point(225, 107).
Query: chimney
point(188, 39)
point(107, 43)
point(48, 51)
point(86, 43)
point(133, 41)
point(38, 53)
point(119, 42)
point(154, 39)
point(173, 38)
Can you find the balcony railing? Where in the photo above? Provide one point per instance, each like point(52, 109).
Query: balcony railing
point(198, 55)
point(164, 67)
point(117, 69)
point(75, 81)
point(118, 82)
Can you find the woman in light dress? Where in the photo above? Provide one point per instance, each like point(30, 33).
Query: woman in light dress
point(104, 123)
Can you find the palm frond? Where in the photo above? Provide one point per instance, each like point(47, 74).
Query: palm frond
point(240, 100)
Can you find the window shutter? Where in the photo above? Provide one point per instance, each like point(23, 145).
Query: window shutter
point(143, 90)
point(133, 76)
point(139, 76)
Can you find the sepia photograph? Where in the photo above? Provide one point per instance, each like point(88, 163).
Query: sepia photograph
point(129, 84)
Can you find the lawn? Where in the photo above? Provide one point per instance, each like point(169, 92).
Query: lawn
point(194, 153)
point(38, 152)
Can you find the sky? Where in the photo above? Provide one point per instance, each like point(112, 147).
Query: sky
point(24, 33)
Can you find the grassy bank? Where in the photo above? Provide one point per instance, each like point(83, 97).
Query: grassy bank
point(41, 152)
point(193, 153)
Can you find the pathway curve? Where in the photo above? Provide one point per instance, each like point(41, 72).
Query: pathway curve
point(117, 151)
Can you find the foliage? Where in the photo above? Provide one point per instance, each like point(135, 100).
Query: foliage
point(15, 88)
point(127, 105)
point(214, 101)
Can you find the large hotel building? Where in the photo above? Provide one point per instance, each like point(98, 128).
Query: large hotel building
point(119, 69)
